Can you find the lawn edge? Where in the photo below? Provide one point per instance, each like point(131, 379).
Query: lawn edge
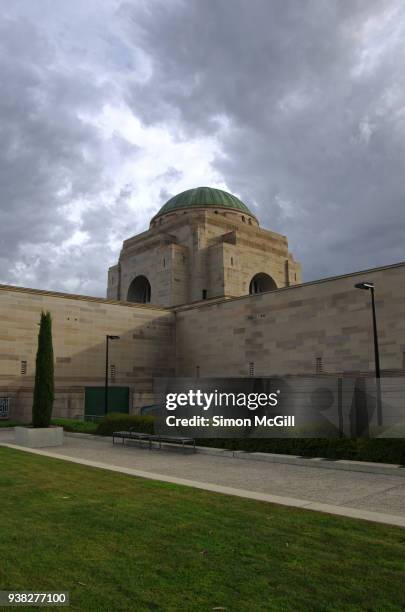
point(343, 511)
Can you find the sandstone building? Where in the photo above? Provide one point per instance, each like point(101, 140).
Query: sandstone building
point(203, 243)
point(204, 292)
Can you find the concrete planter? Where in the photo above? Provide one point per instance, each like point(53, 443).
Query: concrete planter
point(37, 437)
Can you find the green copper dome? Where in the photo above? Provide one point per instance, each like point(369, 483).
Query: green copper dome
point(204, 197)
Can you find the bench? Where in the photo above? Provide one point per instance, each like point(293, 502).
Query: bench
point(136, 435)
point(171, 440)
point(130, 435)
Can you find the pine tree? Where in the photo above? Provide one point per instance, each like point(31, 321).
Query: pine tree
point(44, 375)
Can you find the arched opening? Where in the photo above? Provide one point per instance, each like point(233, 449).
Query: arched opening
point(139, 290)
point(261, 282)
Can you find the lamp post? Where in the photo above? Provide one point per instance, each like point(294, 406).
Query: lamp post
point(370, 287)
point(107, 338)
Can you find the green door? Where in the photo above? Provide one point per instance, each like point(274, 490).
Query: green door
point(94, 409)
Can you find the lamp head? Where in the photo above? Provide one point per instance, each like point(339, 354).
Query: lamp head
point(365, 286)
point(113, 337)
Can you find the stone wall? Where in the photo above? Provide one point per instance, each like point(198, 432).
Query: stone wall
point(317, 327)
point(80, 325)
point(286, 331)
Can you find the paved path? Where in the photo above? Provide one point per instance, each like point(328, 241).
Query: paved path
point(378, 497)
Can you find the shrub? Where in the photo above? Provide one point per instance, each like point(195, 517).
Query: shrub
point(117, 421)
point(44, 375)
point(76, 425)
point(9, 423)
point(381, 450)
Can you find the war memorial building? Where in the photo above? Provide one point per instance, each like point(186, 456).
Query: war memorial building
point(205, 291)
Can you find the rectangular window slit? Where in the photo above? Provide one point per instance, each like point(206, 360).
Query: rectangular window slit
point(23, 367)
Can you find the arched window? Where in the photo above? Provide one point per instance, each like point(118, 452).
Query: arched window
point(139, 290)
point(261, 282)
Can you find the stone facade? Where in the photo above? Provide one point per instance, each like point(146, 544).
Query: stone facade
point(202, 253)
point(80, 325)
point(322, 327)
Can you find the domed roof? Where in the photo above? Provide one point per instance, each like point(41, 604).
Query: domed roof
point(203, 197)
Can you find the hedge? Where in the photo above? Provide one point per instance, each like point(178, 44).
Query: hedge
point(76, 425)
point(381, 450)
point(117, 421)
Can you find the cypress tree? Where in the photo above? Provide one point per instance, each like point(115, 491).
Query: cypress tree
point(44, 375)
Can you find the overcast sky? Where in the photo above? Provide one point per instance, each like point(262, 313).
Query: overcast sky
point(108, 108)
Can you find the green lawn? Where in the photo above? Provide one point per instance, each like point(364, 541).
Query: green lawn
point(123, 543)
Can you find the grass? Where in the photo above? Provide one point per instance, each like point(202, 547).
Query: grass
point(121, 543)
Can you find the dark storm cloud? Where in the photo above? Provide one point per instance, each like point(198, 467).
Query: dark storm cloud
point(48, 156)
point(314, 95)
point(57, 200)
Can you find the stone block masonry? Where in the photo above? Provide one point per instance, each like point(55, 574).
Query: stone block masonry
point(80, 325)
